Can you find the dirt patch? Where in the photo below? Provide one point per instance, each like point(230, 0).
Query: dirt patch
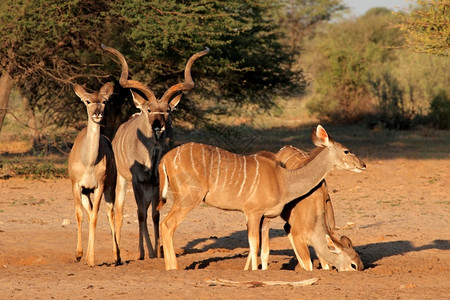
point(397, 215)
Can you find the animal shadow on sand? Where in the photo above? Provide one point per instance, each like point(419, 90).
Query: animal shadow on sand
point(236, 240)
point(369, 254)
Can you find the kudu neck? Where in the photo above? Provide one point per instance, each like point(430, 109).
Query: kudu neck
point(300, 181)
point(91, 143)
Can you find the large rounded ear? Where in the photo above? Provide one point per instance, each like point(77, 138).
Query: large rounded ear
point(320, 137)
point(106, 90)
point(332, 246)
point(175, 100)
point(346, 242)
point(80, 91)
point(138, 100)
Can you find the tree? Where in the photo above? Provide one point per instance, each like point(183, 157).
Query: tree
point(298, 18)
point(427, 27)
point(50, 44)
point(343, 58)
point(45, 45)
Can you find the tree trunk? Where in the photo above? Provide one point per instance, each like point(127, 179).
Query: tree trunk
point(31, 121)
point(6, 84)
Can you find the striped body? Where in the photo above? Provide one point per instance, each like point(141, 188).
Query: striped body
point(256, 185)
point(222, 179)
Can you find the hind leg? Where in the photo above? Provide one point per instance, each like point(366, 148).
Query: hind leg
point(175, 216)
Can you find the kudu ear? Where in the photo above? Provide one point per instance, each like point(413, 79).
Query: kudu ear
point(106, 90)
point(81, 92)
point(175, 100)
point(346, 242)
point(138, 100)
point(332, 246)
point(320, 137)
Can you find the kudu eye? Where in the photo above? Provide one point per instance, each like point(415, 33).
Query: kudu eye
point(346, 151)
point(353, 266)
point(88, 102)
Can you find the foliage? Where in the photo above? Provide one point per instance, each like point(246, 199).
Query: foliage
point(299, 18)
point(34, 166)
point(440, 110)
point(48, 45)
point(393, 113)
point(427, 27)
point(341, 61)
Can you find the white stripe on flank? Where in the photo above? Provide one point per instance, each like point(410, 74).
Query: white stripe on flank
point(192, 161)
point(175, 158)
point(204, 163)
point(218, 168)
point(245, 176)
point(234, 168)
point(254, 184)
point(211, 160)
point(166, 183)
point(226, 170)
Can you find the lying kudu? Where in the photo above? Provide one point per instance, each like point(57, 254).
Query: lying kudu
point(255, 185)
point(310, 222)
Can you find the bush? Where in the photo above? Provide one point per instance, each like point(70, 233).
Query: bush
point(440, 110)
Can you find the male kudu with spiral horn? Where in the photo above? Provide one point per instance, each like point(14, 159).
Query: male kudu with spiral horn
point(139, 145)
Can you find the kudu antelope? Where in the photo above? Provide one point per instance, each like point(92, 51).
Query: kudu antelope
point(256, 185)
point(92, 170)
point(310, 222)
point(139, 145)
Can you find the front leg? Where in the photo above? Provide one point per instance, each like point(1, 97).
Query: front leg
point(143, 199)
point(265, 247)
point(79, 216)
point(121, 191)
point(253, 223)
point(301, 251)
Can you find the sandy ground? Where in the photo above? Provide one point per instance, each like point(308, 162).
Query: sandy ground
point(398, 211)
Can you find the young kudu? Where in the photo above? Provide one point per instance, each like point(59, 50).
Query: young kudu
point(92, 170)
point(310, 222)
point(255, 185)
point(139, 145)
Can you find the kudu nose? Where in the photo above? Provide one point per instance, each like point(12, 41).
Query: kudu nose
point(158, 128)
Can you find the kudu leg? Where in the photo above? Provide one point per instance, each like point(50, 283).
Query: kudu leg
point(156, 218)
point(92, 210)
point(175, 216)
point(109, 199)
point(143, 194)
point(121, 191)
point(253, 223)
point(301, 252)
point(265, 247)
point(79, 217)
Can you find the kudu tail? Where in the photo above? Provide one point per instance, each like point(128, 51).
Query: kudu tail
point(163, 185)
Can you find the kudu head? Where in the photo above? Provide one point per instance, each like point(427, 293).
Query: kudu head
point(95, 102)
point(341, 157)
point(156, 110)
point(345, 256)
